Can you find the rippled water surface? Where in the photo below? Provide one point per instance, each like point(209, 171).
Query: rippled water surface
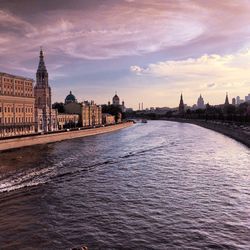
point(159, 185)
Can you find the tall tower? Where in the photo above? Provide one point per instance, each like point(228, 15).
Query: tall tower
point(200, 103)
point(42, 92)
point(226, 100)
point(181, 105)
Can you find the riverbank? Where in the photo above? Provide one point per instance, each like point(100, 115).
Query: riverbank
point(238, 133)
point(55, 137)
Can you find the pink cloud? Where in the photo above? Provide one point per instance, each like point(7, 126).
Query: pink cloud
point(126, 28)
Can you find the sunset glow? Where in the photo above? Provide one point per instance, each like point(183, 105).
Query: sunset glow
point(147, 51)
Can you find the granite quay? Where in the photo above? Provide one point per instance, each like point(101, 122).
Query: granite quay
point(13, 143)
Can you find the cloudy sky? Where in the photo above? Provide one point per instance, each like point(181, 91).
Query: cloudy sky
point(148, 51)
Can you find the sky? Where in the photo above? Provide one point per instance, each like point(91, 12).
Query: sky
point(148, 51)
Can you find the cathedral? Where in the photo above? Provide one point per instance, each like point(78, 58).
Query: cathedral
point(46, 117)
point(116, 102)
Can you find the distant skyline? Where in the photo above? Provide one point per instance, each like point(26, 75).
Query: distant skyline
point(147, 51)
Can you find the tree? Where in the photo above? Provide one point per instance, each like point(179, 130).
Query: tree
point(113, 110)
point(59, 106)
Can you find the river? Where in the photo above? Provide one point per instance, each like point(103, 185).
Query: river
point(160, 185)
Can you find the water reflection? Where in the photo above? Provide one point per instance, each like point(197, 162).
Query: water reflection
point(159, 185)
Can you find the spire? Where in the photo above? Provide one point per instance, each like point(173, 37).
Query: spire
point(227, 101)
point(42, 74)
point(181, 105)
point(181, 100)
point(41, 66)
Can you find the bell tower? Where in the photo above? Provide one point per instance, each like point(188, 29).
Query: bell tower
point(43, 94)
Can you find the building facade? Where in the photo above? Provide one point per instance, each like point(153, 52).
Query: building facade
point(67, 120)
point(17, 102)
point(90, 114)
point(25, 109)
point(108, 119)
point(46, 117)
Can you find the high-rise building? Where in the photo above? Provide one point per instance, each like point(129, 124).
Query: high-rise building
point(46, 119)
point(200, 103)
point(237, 100)
point(181, 105)
point(16, 105)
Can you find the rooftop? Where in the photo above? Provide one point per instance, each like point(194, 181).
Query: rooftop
point(16, 76)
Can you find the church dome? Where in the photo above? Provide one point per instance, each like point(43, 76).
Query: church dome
point(116, 100)
point(70, 98)
point(116, 97)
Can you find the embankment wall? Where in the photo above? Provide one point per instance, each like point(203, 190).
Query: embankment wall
point(49, 138)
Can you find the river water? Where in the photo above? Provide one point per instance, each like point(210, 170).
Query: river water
point(160, 185)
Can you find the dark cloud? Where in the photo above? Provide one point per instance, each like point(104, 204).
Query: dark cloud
point(29, 8)
point(211, 85)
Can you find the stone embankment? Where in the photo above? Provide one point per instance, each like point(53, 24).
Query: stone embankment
point(239, 133)
point(55, 137)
